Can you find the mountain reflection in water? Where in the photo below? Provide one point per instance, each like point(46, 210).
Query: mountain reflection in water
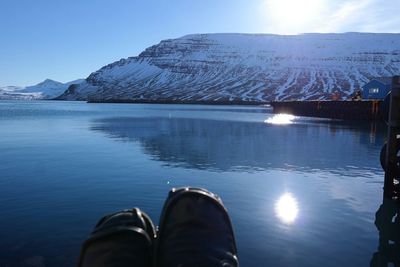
point(249, 146)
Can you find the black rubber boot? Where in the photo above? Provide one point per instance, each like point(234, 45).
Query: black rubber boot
point(121, 239)
point(195, 230)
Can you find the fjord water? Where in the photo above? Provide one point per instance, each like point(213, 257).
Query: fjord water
point(301, 193)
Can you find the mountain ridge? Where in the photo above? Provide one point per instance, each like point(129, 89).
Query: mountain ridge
point(245, 67)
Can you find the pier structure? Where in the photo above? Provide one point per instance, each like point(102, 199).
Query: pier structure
point(339, 110)
point(387, 218)
point(391, 150)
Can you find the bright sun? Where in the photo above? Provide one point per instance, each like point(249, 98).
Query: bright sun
point(293, 15)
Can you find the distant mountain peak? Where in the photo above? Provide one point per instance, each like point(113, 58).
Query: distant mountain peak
point(46, 89)
point(48, 82)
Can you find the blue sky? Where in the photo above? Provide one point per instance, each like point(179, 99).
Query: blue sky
point(68, 39)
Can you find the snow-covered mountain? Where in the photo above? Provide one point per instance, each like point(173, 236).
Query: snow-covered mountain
point(245, 67)
point(47, 89)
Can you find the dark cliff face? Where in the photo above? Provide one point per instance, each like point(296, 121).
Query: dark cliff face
point(247, 67)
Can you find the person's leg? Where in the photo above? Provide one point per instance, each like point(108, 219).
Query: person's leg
point(195, 230)
point(121, 239)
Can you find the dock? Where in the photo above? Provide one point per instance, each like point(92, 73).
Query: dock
point(339, 110)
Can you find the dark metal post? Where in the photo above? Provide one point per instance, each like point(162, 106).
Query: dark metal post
point(393, 140)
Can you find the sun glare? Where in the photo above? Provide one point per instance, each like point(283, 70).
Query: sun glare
point(280, 119)
point(286, 208)
point(293, 15)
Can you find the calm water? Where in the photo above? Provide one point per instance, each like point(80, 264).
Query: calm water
point(299, 194)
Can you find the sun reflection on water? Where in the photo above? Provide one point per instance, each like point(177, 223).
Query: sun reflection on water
point(280, 119)
point(286, 208)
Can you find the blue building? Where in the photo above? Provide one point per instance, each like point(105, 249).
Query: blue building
point(377, 88)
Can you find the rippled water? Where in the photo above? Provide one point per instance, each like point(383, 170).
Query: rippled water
point(302, 192)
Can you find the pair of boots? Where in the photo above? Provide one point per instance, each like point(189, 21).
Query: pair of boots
point(194, 230)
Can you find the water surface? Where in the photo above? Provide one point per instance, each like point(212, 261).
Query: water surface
point(299, 194)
